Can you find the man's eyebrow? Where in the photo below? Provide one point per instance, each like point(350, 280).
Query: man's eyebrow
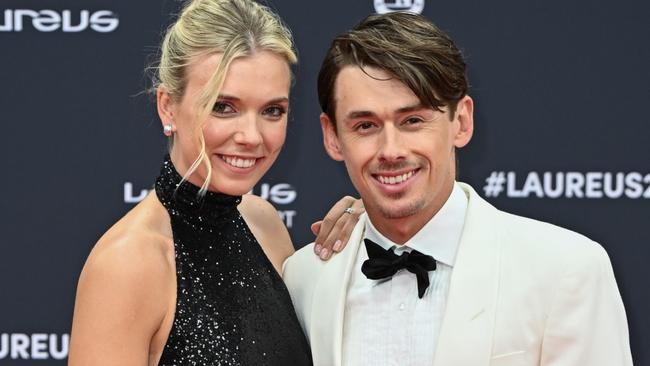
point(359, 114)
point(363, 114)
point(410, 108)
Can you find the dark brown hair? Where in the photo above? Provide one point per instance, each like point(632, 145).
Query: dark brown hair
point(407, 46)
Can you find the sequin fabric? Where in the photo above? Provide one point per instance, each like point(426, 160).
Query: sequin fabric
point(232, 307)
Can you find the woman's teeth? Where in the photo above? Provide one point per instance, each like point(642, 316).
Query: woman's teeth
point(239, 162)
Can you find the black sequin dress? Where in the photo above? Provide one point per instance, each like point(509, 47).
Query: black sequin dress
point(232, 307)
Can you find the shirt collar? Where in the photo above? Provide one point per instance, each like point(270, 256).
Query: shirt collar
point(439, 237)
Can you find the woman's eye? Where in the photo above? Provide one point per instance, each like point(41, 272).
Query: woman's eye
point(275, 111)
point(222, 108)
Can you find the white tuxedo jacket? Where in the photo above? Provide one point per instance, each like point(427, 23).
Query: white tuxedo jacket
point(522, 292)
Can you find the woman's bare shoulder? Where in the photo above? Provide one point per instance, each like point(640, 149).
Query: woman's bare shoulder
point(258, 209)
point(127, 274)
point(136, 255)
point(267, 226)
point(141, 240)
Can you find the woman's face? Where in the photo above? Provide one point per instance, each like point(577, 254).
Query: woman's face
point(246, 128)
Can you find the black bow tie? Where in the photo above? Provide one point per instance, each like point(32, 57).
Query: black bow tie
point(382, 263)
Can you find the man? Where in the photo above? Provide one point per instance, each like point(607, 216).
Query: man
point(433, 274)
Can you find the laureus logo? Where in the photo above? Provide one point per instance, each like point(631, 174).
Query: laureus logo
point(413, 6)
point(102, 21)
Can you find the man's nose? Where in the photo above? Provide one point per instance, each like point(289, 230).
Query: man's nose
point(392, 147)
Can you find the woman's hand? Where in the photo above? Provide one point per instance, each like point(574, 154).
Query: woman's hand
point(332, 233)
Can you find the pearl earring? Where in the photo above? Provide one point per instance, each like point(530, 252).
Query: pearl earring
point(167, 129)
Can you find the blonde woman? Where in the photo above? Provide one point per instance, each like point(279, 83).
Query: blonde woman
point(191, 275)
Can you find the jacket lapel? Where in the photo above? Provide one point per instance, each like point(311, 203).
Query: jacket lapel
point(327, 316)
point(467, 327)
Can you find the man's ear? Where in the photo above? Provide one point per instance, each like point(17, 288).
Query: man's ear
point(464, 122)
point(330, 138)
point(165, 106)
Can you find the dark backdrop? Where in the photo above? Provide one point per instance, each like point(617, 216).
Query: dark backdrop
point(561, 135)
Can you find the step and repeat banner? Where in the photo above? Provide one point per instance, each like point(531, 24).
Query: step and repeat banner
point(562, 135)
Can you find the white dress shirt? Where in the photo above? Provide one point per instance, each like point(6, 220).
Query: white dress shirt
point(385, 322)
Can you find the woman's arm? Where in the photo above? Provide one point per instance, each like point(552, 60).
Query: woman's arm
point(118, 308)
point(267, 227)
point(265, 223)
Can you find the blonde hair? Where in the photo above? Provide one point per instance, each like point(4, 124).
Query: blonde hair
point(235, 28)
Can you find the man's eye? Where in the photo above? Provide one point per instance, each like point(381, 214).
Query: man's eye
point(364, 126)
point(222, 108)
point(275, 111)
point(413, 120)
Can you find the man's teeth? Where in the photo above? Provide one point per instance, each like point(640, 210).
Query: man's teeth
point(395, 179)
point(239, 162)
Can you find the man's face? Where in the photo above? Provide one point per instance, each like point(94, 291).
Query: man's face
point(399, 154)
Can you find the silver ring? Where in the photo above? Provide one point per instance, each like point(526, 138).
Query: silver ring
point(349, 210)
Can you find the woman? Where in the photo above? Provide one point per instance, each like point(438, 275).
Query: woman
point(191, 275)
